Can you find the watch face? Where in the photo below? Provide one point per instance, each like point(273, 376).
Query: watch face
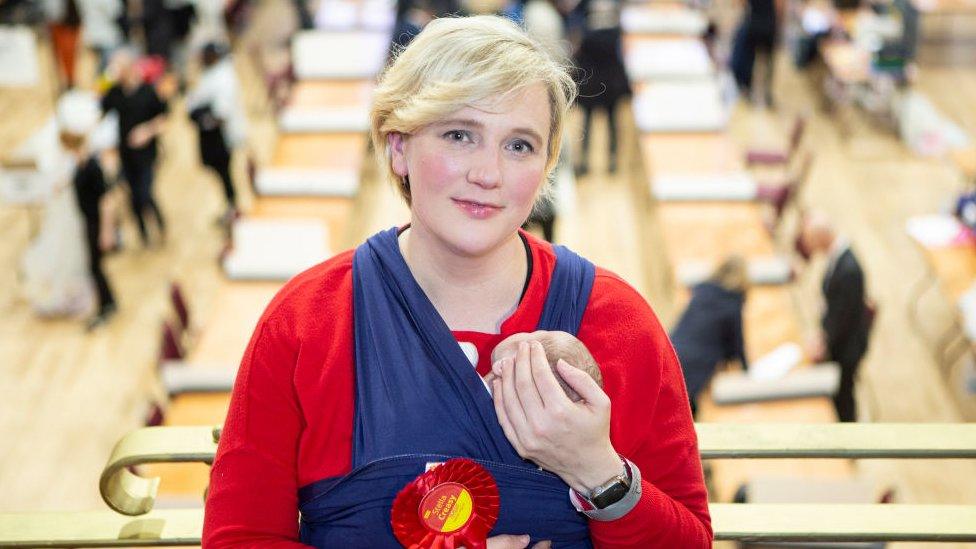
point(614, 493)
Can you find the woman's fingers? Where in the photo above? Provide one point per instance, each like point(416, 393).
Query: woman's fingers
point(550, 392)
point(582, 383)
point(503, 420)
point(510, 401)
point(528, 394)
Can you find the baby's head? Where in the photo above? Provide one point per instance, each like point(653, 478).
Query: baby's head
point(557, 345)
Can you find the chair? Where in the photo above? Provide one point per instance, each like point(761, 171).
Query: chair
point(781, 195)
point(171, 347)
point(179, 305)
point(771, 157)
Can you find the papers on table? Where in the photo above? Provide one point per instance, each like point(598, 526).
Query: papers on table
point(275, 249)
point(935, 231)
point(306, 182)
point(668, 59)
point(777, 363)
point(637, 19)
point(339, 55)
point(761, 271)
point(739, 387)
point(336, 15)
point(724, 186)
point(323, 119)
point(179, 377)
point(692, 106)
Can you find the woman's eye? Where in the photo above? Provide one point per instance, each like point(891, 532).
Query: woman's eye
point(457, 135)
point(522, 146)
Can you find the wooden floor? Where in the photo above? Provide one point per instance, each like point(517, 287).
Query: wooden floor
point(67, 396)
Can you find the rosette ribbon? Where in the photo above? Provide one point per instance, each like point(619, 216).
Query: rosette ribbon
point(452, 505)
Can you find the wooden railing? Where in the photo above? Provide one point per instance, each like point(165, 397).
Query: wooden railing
point(134, 522)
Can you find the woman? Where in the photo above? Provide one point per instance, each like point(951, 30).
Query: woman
point(710, 329)
point(360, 371)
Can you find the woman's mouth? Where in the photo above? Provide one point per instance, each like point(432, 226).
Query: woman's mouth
point(477, 210)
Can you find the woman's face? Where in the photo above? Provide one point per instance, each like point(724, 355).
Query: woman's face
point(475, 174)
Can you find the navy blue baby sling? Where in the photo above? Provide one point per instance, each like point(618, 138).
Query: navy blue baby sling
point(419, 400)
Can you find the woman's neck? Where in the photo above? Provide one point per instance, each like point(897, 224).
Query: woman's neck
point(471, 293)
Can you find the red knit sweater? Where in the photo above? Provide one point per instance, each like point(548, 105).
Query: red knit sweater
point(290, 421)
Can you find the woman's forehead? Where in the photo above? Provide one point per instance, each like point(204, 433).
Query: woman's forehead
point(525, 108)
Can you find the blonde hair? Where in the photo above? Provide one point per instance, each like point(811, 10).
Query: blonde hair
point(457, 61)
point(732, 274)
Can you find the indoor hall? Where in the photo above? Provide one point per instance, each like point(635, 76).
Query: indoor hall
point(703, 168)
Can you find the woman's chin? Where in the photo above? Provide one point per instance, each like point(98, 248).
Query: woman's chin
point(478, 243)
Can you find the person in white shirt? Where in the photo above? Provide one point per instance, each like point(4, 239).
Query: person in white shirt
point(100, 30)
point(215, 107)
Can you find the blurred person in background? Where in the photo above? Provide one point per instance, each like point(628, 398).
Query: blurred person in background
point(603, 79)
point(215, 108)
point(100, 29)
point(755, 40)
point(78, 113)
point(710, 328)
point(542, 21)
point(141, 116)
point(412, 17)
point(846, 321)
point(64, 24)
point(965, 208)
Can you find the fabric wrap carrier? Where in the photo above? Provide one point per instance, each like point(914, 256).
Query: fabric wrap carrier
point(419, 400)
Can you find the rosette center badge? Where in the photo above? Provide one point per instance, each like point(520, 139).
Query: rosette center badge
point(452, 505)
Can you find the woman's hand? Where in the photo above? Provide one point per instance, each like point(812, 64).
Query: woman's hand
point(570, 439)
point(514, 542)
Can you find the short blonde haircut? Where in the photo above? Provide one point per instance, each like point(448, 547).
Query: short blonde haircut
point(457, 61)
point(732, 274)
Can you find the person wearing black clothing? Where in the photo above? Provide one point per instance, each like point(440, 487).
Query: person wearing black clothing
point(215, 110)
point(710, 328)
point(755, 38)
point(90, 187)
point(77, 115)
point(846, 321)
point(603, 80)
point(141, 113)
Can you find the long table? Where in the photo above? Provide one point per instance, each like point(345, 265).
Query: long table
point(710, 231)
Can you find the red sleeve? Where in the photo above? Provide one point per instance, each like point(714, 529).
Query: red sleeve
point(650, 422)
point(253, 496)
point(252, 499)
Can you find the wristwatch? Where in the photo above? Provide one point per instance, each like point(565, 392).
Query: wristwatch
point(611, 491)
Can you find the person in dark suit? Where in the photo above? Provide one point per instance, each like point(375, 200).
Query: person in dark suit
point(710, 328)
point(755, 39)
point(77, 114)
point(846, 321)
point(603, 79)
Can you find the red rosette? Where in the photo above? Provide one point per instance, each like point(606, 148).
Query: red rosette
point(452, 505)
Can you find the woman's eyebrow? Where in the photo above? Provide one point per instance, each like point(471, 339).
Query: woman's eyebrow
point(529, 132)
point(463, 122)
point(472, 123)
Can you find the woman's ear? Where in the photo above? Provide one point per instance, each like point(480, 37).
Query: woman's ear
point(396, 142)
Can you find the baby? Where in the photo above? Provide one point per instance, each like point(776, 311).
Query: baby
point(558, 345)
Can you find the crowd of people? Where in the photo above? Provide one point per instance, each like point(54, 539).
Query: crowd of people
point(107, 144)
point(469, 124)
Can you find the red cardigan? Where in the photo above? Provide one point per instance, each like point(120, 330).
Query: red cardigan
point(290, 420)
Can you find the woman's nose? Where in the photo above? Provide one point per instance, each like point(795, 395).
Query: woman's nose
point(485, 170)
